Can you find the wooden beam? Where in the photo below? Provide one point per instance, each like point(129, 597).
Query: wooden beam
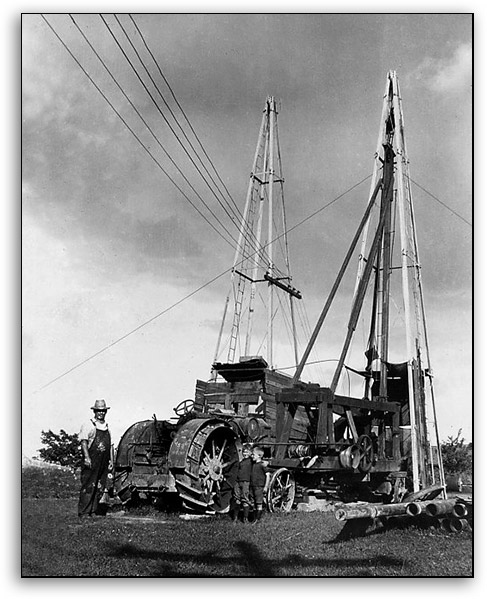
point(367, 404)
point(322, 427)
point(285, 419)
point(336, 284)
point(325, 395)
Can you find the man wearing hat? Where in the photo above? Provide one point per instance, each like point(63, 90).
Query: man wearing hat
point(96, 447)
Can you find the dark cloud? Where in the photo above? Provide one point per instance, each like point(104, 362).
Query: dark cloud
point(82, 159)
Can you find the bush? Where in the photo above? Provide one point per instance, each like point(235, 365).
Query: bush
point(457, 455)
point(61, 448)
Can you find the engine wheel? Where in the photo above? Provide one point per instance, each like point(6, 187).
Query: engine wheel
point(281, 491)
point(210, 469)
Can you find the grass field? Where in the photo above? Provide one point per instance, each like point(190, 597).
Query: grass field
point(151, 544)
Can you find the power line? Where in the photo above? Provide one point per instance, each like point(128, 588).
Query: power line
point(133, 132)
point(165, 311)
point(230, 212)
point(236, 212)
point(252, 243)
point(230, 216)
point(174, 133)
point(182, 111)
point(137, 328)
point(222, 225)
point(249, 232)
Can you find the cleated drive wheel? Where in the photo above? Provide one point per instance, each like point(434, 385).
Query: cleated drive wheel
point(206, 456)
point(280, 491)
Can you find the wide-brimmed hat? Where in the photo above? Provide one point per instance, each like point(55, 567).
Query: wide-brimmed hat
point(100, 404)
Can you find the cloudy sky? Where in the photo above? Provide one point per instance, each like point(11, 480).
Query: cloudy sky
point(108, 242)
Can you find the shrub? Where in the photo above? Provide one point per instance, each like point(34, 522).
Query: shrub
point(61, 448)
point(457, 455)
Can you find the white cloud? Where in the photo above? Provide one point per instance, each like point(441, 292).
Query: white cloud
point(455, 74)
point(450, 74)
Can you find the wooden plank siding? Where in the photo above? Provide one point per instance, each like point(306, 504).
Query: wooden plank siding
point(241, 394)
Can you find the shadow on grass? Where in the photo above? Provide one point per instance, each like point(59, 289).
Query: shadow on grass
point(249, 558)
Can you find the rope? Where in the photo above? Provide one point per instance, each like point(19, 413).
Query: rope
point(440, 202)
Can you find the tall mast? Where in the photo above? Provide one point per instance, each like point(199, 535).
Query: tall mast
point(405, 259)
point(238, 255)
point(255, 260)
point(270, 236)
point(391, 176)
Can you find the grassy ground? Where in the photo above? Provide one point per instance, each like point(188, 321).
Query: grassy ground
point(147, 543)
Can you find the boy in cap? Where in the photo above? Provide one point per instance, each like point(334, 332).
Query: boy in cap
point(241, 490)
point(96, 447)
point(258, 481)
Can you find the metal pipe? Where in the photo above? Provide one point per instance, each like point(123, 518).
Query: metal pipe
point(443, 506)
point(460, 510)
point(415, 508)
point(366, 511)
point(455, 524)
point(374, 510)
point(444, 524)
point(459, 525)
point(392, 509)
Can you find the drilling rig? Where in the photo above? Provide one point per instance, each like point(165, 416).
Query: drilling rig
point(375, 446)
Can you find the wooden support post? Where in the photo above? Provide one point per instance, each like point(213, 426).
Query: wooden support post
point(284, 422)
point(330, 425)
point(323, 428)
point(396, 436)
point(336, 284)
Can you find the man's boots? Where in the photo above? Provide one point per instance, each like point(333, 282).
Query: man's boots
point(246, 514)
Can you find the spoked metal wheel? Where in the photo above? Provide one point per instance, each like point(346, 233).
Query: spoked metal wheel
point(209, 458)
point(212, 465)
point(281, 491)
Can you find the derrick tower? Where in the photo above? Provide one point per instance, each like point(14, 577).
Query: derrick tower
point(388, 258)
point(261, 259)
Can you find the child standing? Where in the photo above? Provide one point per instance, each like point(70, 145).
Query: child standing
point(257, 481)
point(241, 490)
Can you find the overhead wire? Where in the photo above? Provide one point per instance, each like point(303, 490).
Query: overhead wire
point(231, 216)
point(172, 130)
point(184, 195)
point(146, 149)
point(182, 111)
point(194, 292)
point(229, 211)
point(235, 209)
point(233, 240)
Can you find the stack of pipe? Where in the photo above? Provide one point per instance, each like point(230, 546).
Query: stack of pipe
point(451, 515)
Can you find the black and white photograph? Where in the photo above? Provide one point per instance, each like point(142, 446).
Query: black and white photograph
point(246, 294)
